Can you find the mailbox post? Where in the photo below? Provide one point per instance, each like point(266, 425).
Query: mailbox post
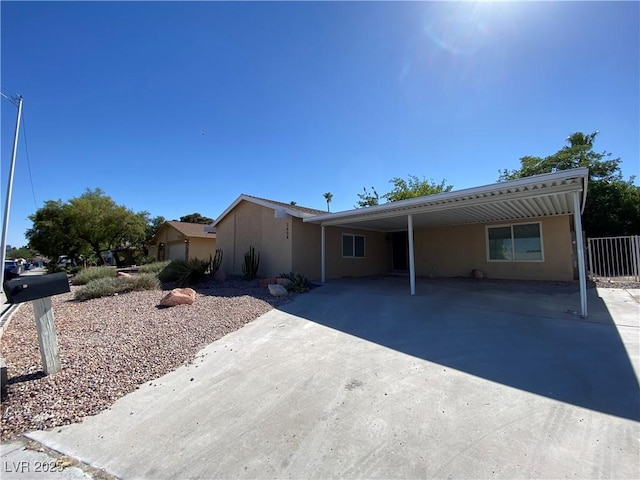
point(38, 290)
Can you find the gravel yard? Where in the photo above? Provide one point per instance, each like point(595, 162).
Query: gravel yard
point(109, 346)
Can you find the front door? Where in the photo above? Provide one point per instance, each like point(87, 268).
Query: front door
point(400, 242)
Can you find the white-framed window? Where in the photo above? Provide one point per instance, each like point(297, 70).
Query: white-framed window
point(517, 242)
point(352, 245)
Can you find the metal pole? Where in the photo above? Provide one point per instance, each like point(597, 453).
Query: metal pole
point(412, 263)
point(580, 252)
point(7, 205)
point(322, 255)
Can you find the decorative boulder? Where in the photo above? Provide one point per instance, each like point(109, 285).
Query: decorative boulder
point(220, 276)
point(285, 282)
point(277, 290)
point(477, 274)
point(179, 296)
point(123, 275)
point(267, 281)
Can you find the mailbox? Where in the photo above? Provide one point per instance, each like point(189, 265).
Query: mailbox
point(25, 289)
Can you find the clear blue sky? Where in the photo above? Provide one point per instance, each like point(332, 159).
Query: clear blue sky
point(176, 108)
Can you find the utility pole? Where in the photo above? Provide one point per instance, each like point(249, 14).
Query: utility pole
point(7, 205)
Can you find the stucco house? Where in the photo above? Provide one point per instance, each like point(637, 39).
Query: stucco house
point(520, 229)
point(182, 241)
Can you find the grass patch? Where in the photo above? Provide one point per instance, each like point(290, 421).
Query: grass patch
point(155, 267)
point(87, 275)
point(107, 286)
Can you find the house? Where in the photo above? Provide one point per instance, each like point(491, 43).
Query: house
point(182, 241)
point(520, 229)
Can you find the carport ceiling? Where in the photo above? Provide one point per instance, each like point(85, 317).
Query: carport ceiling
point(538, 196)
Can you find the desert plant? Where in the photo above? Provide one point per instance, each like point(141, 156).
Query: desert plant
point(299, 283)
point(86, 275)
point(215, 262)
point(107, 286)
point(141, 259)
point(184, 272)
point(251, 264)
point(155, 267)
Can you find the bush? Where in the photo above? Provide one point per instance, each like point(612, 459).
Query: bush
point(155, 267)
point(107, 286)
point(53, 267)
point(144, 259)
point(184, 273)
point(299, 283)
point(86, 275)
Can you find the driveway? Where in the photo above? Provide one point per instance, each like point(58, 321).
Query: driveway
point(357, 379)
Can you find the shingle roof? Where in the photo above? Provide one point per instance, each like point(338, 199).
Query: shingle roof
point(311, 211)
point(191, 229)
point(287, 208)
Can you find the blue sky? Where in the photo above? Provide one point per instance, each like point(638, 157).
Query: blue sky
point(176, 108)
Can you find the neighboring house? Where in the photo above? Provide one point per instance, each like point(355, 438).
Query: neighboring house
point(182, 241)
point(520, 229)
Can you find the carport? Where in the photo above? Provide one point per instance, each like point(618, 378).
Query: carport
point(552, 194)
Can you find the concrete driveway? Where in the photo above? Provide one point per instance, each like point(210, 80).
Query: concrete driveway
point(359, 380)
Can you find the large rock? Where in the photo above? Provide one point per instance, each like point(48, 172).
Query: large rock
point(267, 281)
point(477, 274)
point(179, 296)
point(123, 275)
point(285, 282)
point(277, 290)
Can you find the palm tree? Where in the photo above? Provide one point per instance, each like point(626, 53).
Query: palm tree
point(328, 197)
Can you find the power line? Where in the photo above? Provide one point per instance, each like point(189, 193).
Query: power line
point(26, 149)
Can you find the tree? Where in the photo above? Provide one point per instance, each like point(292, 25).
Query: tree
point(22, 252)
point(613, 204)
point(196, 218)
point(367, 199)
point(92, 222)
point(153, 225)
point(414, 187)
point(328, 197)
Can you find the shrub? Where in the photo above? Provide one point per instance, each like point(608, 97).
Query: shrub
point(299, 283)
point(144, 259)
point(183, 272)
point(86, 275)
point(53, 267)
point(155, 267)
point(106, 286)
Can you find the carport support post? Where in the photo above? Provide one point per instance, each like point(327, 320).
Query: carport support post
point(47, 338)
point(580, 252)
point(322, 259)
point(412, 266)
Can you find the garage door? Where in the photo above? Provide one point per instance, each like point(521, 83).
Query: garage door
point(176, 251)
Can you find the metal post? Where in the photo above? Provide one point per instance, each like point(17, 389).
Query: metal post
point(7, 205)
point(322, 255)
point(412, 266)
point(580, 252)
point(591, 267)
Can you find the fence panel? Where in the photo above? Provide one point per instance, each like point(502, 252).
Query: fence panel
point(615, 258)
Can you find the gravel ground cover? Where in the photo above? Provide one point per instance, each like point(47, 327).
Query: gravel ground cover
point(109, 346)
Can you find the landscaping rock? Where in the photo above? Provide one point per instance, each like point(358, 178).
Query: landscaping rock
point(477, 274)
point(267, 281)
point(285, 282)
point(124, 275)
point(179, 296)
point(277, 290)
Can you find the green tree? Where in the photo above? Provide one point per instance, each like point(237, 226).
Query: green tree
point(90, 223)
point(196, 218)
point(328, 197)
point(22, 252)
point(613, 204)
point(153, 225)
point(414, 187)
point(367, 199)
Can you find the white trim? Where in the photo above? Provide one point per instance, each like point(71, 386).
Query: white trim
point(580, 254)
point(322, 255)
point(503, 225)
point(412, 263)
point(364, 245)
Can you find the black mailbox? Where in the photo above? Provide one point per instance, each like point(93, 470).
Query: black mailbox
point(25, 289)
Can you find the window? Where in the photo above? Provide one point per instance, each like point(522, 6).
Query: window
point(521, 242)
point(352, 245)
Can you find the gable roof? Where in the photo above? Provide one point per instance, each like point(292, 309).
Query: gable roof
point(190, 230)
point(536, 196)
point(293, 210)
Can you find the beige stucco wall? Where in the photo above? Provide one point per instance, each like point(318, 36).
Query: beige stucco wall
point(375, 261)
point(306, 254)
point(174, 241)
point(247, 225)
point(201, 248)
point(455, 251)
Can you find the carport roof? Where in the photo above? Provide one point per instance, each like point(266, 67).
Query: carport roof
point(536, 196)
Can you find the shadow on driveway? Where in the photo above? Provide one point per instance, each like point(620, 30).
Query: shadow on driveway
point(517, 335)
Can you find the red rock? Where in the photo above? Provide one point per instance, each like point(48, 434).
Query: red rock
point(179, 296)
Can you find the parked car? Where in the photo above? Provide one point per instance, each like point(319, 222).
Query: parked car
point(11, 269)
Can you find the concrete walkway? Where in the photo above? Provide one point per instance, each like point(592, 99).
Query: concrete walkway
point(359, 380)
